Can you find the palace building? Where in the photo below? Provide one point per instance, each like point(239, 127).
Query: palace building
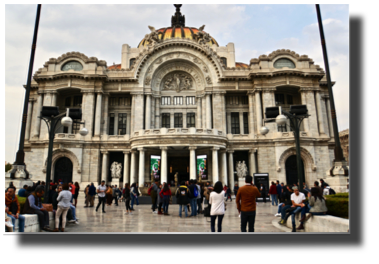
point(179, 104)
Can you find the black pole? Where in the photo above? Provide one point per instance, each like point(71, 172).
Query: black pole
point(20, 156)
point(53, 123)
point(338, 153)
point(296, 123)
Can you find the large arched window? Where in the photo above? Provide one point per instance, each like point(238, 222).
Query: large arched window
point(284, 63)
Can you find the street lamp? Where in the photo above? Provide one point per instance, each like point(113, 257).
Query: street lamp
point(51, 116)
point(296, 115)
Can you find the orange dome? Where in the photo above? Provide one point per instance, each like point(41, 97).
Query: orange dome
point(176, 32)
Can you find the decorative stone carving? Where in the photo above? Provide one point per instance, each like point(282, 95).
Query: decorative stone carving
point(148, 80)
point(241, 169)
point(177, 81)
point(116, 170)
point(159, 61)
point(208, 79)
point(153, 37)
point(205, 69)
point(201, 37)
point(196, 60)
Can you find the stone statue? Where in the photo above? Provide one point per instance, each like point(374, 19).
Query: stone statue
point(116, 170)
point(201, 37)
point(153, 37)
point(176, 178)
point(241, 169)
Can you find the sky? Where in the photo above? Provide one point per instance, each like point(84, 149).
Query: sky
point(101, 30)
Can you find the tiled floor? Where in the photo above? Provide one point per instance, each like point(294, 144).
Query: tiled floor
point(143, 220)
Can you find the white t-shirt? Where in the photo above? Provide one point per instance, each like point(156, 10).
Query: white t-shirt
point(101, 188)
point(218, 203)
point(298, 198)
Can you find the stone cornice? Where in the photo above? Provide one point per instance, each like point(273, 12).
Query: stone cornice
point(87, 91)
point(137, 93)
point(192, 148)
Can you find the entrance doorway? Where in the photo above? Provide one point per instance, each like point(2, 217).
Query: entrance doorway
point(63, 170)
point(291, 170)
point(178, 165)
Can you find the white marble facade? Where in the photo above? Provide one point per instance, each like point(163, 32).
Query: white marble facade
point(126, 108)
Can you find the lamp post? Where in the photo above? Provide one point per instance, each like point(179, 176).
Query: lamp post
point(51, 116)
point(296, 115)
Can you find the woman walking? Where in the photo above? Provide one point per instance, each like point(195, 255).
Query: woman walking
point(216, 200)
point(126, 195)
point(160, 199)
point(109, 195)
point(165, 194)
point(77, 187)
point(63, 199)
point(133, 194)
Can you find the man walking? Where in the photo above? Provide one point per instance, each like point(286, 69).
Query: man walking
point(193, 197)
point(101, 189)
point(154, 195)
point(246, 204)
point(278, 191)
point(115, 194)
point(91, 195)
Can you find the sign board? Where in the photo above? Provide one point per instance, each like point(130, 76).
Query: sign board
point(262, 178)
point(155, 166)
point(202, 167)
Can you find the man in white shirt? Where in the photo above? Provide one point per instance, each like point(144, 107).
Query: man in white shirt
point(297, 199)
point(101, 189)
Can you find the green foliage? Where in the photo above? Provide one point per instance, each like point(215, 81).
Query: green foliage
point(8, 166)
point(22, 201)
point(338, 204)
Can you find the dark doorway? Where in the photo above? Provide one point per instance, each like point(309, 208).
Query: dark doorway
point(118, 157)
point(291, 170)
point(241, 156)
point(63, 170)
point(178, 165)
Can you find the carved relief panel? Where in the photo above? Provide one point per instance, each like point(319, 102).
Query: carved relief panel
point(177, 81)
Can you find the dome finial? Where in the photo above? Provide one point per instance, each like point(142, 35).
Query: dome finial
point(177, 20)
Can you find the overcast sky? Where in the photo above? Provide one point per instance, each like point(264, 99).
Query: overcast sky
point(100, 31)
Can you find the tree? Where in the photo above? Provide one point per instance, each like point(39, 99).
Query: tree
point(8, 166)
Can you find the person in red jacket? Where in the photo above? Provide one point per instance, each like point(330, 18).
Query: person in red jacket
point(273, 192)
point(165, 193)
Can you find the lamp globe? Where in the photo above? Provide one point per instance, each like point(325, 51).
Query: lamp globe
point(264, 130)
point(281, 120)
point(83, 131)
point(66, 121)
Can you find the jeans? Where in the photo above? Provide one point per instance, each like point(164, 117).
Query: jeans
point(247, 217)
point(283, 211)
point(305, 210)
point(193, 206)
point(73, 211)
point(21, 222)
point(228, 196)
point(154, 203)
point(317, 213)
point(43, 218)
point(280, 208)
point(133, 199)
point(166, 201)
point(185, 208)
point(199, 209)
point(294, 212)
point(274, 199)
point(101, 200)
point(219, 222)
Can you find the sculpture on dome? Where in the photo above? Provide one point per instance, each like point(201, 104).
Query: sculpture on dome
point(201, 37)
point(153, 37)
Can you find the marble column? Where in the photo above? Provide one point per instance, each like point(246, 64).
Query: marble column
point(229, 122)
point(319, 114)
point(104, 170)
point(252, 168)
point(258, 108)
point(98, 114)
point(132, 116)
point(215, 177)
point(241, 123)
point(106, 114)
point(192, 163)
point(209, 112)
point(126, 167)
point(157, 113)
point(304, 102)
point(148, 112)
point(88, 111)
point(251, 113)
point(198, 112)
point(128, 123)
point(231, 169)
point(54, 98)
point(164, 164)
point(152, 113)
point(29, 120)
point(37, 124)
point(224, 174)
point(141, 169)
point(133, 172)
point(203, 113)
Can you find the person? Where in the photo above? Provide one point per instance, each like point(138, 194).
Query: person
point(165, 193)
point(235, 189)
point(246, 204)
point(22, 191)
point(160, 199)
point(228, 194)
point(199, 199)
point(323, 184)
point(182, 196)
point(29, 190)
point(126, 196)
point(101, 189)
point(76, 193)
point(72, 189)
point(193, 192)
point(133, 195)
point(51, 193)
point(63, 199)
point(286, 204)
point(138, 191)
point(33, 205)
point(120, 194)
point(298, 200)
point(115, 191)
point(11, 202)
point(153, 195)
point(86, 193)
point(109, 195)
point(305, 187)
point(278, 191)
point(273, 193)
point(263, 192)
point(317, 206)
point(91, 195)
point(216, 200)
point(316, 185)
point(225, 188)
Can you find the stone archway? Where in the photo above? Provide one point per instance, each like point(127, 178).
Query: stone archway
point(63, 170)
point(61, 153)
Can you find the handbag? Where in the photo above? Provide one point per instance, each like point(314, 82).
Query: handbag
point(48, 207)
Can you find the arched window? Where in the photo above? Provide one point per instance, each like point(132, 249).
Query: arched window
point(224, 61)
point(284, 63)
point(131, 62)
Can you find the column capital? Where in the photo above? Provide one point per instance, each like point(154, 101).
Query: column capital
point(269, 89)
point(106, 152)
point(51, 91)
point(163, 148)
point(222, 150)
point(192, 148)
point(133, 151)
point(99, 91)
point(106, 94)
point(141, 149)
point(252, 92)
point(230, 151)
point(31, 100)
point(40, 92)
point(215, 148)
point(127, 151)
point(257, 90)
point(253, 150)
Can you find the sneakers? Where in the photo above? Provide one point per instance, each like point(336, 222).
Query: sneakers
point(76, 222)
point(154, 212)
point(277, 215)
point(72, 221)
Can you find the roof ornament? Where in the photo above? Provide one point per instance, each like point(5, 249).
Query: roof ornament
point(153, 37)
point(201, 37)
point(177, 20)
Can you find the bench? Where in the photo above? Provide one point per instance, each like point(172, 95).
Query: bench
point(322, 223)
point(31, 223)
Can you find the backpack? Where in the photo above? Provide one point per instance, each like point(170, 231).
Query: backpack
point(195, 192)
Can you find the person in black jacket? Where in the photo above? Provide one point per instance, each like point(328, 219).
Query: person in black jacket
point(287, 203)
point(126, 196)
point(182, 196)
point(193, 198)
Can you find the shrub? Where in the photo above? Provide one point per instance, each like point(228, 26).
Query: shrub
point(338, 204)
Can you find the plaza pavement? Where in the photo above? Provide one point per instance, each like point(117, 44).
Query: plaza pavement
point(143, 220)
